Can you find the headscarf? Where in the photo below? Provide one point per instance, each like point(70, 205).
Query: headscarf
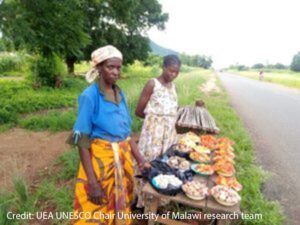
point(100, 55)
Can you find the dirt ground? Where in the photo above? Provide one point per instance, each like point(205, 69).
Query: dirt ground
point(25, 153)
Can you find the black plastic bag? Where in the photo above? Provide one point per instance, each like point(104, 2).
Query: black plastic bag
point(158, 166)
point(174, 151)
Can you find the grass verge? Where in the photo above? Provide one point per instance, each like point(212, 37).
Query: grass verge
point(282, 77)
point(52, 121)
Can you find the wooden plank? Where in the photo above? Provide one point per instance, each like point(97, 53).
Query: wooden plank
point(209, 203)
point(151, 204)
point(213, 205)
point(180, 198)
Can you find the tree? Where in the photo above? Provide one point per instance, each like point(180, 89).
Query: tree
point(196, 60)
point(121, 23)
point(186, 59)
point(204, 61)
point(242, 67)
point(44, 26)
point(280, 66)
point(64, 28)
point(72, 29)
point(258, 66)
point(153, 60)
point(49, 29)
point(295, 65)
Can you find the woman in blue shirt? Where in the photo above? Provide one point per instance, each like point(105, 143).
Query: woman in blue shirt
point(104, 186)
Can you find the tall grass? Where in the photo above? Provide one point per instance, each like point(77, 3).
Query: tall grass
point(17, 201)
point(51, 193)
point(138, 70)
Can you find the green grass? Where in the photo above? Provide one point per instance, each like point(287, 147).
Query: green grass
point(132, 97)
point(52, 194)
point(138, 70)
point(6, 202)
point(17, 98)
point(52, 121)
point(282, 77)
point(19, 200)
point(6, 127)
point(69, 161)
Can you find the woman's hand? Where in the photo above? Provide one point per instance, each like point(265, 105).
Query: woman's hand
point(141, 162)
point(144, 165)
point(95, 194)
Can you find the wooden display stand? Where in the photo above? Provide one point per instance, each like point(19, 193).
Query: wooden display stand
point(208, 205)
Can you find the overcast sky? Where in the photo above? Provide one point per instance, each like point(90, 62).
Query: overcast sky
point(232, 31)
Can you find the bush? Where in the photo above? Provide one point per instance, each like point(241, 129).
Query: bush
point(18, 97)
point(8, 116)
point(48, 71)
point(137, 69)
point(154, 60)
point(75, 83)
point(53, 121)
point(10, 62)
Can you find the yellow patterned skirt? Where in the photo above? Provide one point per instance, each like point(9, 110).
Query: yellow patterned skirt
point(113, 166)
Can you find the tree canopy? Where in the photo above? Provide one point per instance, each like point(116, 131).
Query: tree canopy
point(72, 29)
point(43, 26)
point(122, 23)
point(196, 60)
point(258, 66)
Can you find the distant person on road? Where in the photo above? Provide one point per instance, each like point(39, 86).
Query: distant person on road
point(104, 184)
point(261, 75)
point(158, 107)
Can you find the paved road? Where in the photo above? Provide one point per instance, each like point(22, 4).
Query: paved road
point(271, 114)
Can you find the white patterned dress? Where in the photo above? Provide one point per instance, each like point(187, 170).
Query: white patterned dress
point(158, 131)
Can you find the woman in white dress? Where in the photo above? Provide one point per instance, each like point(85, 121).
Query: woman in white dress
point(158, 106)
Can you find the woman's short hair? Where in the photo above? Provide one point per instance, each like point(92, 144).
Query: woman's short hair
point(171, 60)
